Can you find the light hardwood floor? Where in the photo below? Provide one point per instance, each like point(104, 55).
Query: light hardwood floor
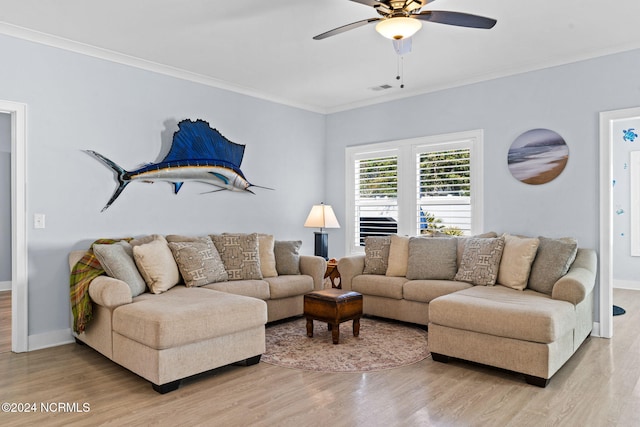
point(599, 386)
point(5, 321)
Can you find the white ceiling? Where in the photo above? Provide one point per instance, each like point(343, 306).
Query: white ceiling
point(265, 48)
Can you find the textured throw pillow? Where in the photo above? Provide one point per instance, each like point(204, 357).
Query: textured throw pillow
point(156, 265)
point(239, 253)
point(287, 257)
point(481, 261)
point(199, 262)
point(376, 254)
point(462, 241)
point(267, 256)
point(398, 256)
point(432, 258)
point(180, 238)
point(517, 257)
point(552, 261)
point(117, 262)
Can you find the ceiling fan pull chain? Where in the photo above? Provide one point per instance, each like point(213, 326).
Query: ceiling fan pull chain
point(400, 69)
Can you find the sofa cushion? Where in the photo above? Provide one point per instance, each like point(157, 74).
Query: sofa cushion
point(287, 256)
point(117, 261)
point(398, 256)
point(376, 254)
point(199, 262)
point(249, 288)
point(517, 257)
point(382, 286)
point(267, 256)
point(187, 315)
point(505, 312)
point(553, 259)
point(156, 265)
point(481, 261)
point(289, 285)
point(239, 252)
point(432, 258)
point(428, 290)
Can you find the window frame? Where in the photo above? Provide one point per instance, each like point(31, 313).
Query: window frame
point(408, 175)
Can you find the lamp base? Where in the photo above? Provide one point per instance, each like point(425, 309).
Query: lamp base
point(321, 244)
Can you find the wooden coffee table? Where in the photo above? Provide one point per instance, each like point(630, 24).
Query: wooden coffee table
point(333, 306)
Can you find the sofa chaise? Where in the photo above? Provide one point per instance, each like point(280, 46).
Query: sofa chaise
point(210, 317)
point(517, 303)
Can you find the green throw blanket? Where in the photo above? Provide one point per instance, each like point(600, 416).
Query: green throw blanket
point(85, 270)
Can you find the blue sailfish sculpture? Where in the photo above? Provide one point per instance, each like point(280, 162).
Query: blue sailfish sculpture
point(198, 153)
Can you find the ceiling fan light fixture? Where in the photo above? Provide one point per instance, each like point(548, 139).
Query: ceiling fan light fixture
point(398, 28)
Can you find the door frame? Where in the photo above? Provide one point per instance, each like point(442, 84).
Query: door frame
point(607, 118)
point(19, 253)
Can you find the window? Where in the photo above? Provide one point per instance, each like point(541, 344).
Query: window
point(444, 191)
point(376, 196)
point(414, 186)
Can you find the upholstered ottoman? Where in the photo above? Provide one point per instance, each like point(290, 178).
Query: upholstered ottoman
point(186, 331)
point(522, 331)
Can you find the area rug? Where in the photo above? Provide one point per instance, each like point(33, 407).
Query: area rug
point(381, 345)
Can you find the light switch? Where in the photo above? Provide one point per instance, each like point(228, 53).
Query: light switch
point(38, 220)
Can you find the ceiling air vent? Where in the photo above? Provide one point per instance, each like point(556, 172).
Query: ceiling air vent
point(381, 87)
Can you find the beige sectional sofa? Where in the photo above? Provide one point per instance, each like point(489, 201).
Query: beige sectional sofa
point(517, 303)
point(166, 332)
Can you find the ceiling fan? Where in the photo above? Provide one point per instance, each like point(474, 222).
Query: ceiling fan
point(401, 19)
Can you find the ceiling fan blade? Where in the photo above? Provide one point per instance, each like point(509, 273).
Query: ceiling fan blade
point(372, 3)
point(346, 28)
point(456, 18)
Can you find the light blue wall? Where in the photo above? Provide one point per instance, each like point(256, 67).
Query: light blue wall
point(5, 197)
point(75, 102)
point(566, 99)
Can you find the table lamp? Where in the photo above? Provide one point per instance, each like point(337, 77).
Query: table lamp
point(321, 216)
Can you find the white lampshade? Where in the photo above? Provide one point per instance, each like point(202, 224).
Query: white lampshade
point(322, 216)
point(399, 27)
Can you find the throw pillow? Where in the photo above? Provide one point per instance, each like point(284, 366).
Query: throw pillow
point(180, 238)
point(517, 257)
point(146, 239)
point(267, 256)
point(199, 262)
point(398, 256)
point(287, 257)
point(239, 253)
point(156, 265)
point(462, 241)
point(432, 258)
point(552, 261)
point(117, 262)
point(481, 261)
point(376, 250)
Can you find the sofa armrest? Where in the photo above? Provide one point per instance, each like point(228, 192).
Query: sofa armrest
point(315, 267)
point(109, 292)
point(579, 280)
point(350, 267)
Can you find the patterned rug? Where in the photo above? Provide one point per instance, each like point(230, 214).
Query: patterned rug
point(381, 345)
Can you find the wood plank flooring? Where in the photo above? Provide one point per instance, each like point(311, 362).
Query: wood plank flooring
point(5, 321)
point(599, 386)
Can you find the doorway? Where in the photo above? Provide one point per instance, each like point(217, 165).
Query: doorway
point(608, 119)
point(5, 232)
point(19, 268)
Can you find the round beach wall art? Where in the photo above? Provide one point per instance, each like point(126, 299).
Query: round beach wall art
point(538, 156)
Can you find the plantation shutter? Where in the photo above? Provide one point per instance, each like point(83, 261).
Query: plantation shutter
point(376, 197)
point(444, 191)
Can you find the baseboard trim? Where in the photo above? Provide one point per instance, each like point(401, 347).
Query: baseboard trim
point(50, 339)
point(595, 330)
point(626, 284)
point(5, 286)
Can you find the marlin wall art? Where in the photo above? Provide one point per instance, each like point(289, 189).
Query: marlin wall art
point(198, 153)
